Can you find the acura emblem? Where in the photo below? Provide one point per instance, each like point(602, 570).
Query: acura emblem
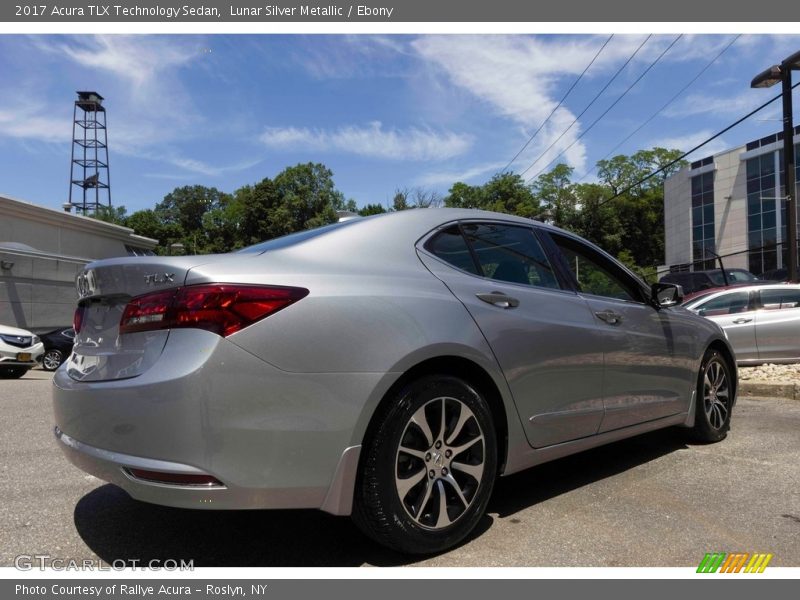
point(86, 283)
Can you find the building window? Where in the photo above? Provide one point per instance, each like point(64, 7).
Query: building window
point(766, 209)
point(762, 216)
point(703, 221)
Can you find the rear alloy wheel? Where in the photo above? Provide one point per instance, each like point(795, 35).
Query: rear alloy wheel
point(12, 372)
point(52, 359)
point(429, 467)
point(715, 390)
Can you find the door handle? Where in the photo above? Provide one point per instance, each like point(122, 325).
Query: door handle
point(499, 299)
point(609, 316)
point(741, 320)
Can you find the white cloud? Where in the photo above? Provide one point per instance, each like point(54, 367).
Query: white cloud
point(449, 177)
point(34, 122)
point(689, 141)
point(517, 78)
point(705, 104)
point(372, 140)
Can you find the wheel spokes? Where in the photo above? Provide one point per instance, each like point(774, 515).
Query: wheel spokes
point(444, 519)
point(404, 485)
point(474, 471)
point(464, 416)
point(437, 481)
point(466, 446)
point(420, 419)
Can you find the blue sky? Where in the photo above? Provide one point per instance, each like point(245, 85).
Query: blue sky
point(383, 112)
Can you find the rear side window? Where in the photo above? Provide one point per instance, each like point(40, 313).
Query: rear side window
point(503, 252)
point(780, 299)
point(451, 247)
point(509, 253)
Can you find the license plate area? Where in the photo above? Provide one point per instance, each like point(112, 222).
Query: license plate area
point(24, 356)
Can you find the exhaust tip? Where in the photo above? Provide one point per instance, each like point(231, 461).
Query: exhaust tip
point(200, 480)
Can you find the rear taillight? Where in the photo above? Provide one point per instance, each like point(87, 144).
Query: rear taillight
point(77, 319)
point(221, 308)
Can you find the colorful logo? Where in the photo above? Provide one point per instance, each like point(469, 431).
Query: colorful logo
point(738, 562)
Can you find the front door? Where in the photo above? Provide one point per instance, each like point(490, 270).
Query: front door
point(646, 373)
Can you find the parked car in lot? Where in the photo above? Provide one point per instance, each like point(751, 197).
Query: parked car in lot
point(762, 322)
point(388, 368)
point(697, 281)
point(57, 347)
point(20, 351)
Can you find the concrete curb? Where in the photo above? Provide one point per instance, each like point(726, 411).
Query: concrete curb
point(763, 389)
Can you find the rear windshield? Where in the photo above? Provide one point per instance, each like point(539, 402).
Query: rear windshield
point(295, 238)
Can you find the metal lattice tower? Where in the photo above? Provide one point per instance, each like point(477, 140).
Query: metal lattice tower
point(89, 164)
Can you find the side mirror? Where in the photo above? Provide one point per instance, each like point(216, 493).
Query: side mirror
point(665, 295)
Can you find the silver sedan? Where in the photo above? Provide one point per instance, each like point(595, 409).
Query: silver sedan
point(762, 321)
point(388, 368)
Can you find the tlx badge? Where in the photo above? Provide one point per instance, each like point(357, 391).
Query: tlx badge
point(159, 278)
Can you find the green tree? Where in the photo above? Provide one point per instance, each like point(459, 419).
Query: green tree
point(556, 195)
point(185, 206)
point(111, 214)
point(505, 192)
point(371, 209)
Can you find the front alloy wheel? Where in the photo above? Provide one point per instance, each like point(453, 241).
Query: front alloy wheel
point(715, 393)
point(52, 359)
point(428, 466)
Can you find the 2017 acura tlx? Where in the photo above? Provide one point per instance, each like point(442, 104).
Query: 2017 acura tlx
point(389, 368)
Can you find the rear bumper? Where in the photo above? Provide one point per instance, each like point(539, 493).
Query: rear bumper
point(274, 439)
point(114, 468)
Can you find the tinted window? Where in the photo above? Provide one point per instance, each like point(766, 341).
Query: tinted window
point(727, 304)
point(780, 299)
point(450, 246)
point(594, 273)
point(509, 253)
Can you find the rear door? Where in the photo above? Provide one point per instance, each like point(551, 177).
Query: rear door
point(648, 374)
point(777, 323)
point(544, 337)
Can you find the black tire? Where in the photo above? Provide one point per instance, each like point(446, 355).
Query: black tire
point(714, 402)
point(52, 359)
point(399, 493)
point(12, 372)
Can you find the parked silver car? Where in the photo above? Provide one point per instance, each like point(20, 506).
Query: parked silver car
point(389, 367)
point(762, 321)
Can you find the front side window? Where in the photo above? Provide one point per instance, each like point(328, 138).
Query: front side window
point(726, 304)
point(509, 253)
point(595, 274)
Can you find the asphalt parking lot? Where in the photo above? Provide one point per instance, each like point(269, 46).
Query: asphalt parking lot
point(654, 500)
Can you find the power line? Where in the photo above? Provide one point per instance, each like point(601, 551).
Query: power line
point(560, 102)
point(670, 101)
point(600, 93)
point(700, 145)
point(613, 104)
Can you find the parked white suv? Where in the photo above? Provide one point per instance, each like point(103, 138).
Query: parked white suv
point(20, 351)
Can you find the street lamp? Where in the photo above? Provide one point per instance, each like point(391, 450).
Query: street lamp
point(783, 73)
